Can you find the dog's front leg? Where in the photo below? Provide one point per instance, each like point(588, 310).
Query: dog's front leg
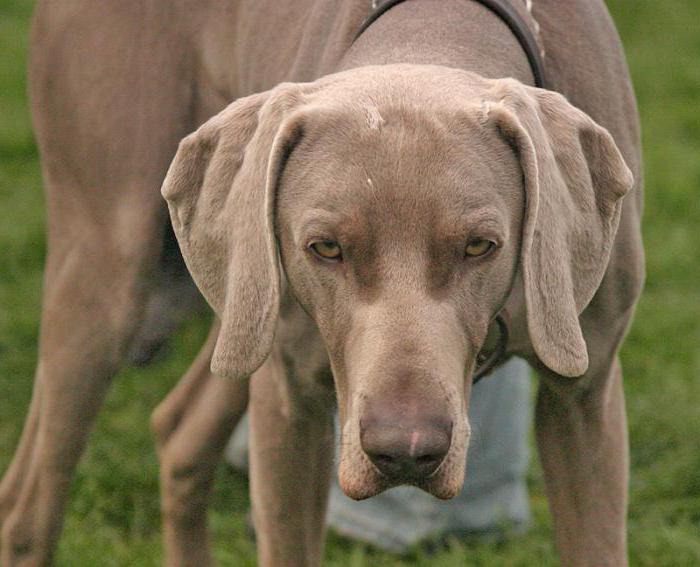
point(292, 446)
point(582, 439)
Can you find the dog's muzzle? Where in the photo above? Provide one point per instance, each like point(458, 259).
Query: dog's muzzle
point(405, 448)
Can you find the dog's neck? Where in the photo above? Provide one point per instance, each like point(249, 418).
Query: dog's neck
point(462, 35)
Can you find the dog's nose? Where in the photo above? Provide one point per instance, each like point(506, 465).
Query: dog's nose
point(406, 450)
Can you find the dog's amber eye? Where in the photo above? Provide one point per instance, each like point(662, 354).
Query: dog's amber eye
point(326, 249)
point(478, 247)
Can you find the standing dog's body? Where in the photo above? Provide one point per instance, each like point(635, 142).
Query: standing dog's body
point(361, 180)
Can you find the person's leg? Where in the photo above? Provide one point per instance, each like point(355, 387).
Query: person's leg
point(494, 496)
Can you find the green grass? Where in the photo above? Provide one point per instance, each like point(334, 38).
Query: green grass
point(113, 515)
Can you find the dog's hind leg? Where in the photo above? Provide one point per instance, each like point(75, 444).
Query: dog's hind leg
point(92, 303)
point(192, 426)
point(167, 416)
point(107, 122)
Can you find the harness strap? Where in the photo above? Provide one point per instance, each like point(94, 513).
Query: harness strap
point(507, 13)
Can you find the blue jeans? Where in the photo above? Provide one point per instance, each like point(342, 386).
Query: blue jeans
point(494, 496)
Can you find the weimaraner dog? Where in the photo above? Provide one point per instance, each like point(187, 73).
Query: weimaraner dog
point(359, 217)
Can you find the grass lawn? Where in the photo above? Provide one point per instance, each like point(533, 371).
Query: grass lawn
point(113, 515)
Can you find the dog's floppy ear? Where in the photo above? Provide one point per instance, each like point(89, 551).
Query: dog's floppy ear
point(220, 190)
point(575, 178)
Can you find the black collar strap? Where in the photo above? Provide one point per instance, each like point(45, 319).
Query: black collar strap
point(504, 10)
point(485, 361)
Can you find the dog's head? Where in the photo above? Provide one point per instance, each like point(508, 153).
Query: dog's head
point(399, 202)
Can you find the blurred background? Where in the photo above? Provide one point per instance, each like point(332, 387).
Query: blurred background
point(113, 516)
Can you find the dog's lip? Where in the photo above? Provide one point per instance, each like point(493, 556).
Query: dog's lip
point(427, 484)
point(408, 479)
point(378, 483)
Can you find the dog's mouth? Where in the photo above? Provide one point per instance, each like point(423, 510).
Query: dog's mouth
point(360, 478)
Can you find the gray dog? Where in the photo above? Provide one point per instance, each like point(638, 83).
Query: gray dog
point(357, 230)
